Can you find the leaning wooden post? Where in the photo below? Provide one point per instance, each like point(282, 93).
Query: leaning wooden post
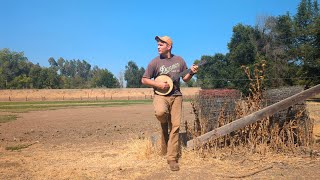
point(254, 117)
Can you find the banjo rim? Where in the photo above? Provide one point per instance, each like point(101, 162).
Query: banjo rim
point(164, 78)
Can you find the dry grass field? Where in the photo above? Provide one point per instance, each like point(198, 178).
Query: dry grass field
point(83, 94)
point(114, 143)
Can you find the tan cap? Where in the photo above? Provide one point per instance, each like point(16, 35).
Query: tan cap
point(165, 39)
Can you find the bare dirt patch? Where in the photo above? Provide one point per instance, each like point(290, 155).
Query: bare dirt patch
point(112, 143)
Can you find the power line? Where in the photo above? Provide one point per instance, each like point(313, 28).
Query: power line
point(314, 77)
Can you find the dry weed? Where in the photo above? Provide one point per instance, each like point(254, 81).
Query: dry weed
point(282, 132)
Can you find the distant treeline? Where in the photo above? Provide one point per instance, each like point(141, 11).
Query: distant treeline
point(17, 72)
point(285, 50)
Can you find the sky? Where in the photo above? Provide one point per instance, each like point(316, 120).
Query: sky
point(110, 33)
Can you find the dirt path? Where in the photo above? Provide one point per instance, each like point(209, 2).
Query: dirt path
point(112, 143)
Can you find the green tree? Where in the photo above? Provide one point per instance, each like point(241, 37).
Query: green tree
point(277, 51)
point(49, 79)
point(21, 82)
point(104, 78)
point(34, 75)
point(74, 73)
point(242, 48)
point(53, 63)
point(133, 75)
point(61, 66)
point(83, 69)
point(12, 65)
point(216, 73)
point(288, 45)
point(306, 50)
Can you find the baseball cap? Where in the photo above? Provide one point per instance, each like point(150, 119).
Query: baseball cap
point(165, 39)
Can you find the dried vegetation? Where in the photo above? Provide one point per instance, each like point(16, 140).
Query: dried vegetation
point(285, 131)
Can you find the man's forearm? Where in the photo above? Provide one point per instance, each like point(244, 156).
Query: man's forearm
point(187, 77)
point(149, 82)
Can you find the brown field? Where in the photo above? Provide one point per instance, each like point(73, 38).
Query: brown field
point(113, 143)
point(83, 94)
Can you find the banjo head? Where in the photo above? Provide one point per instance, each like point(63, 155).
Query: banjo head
point(167, 79)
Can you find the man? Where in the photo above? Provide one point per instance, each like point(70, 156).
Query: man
point(168, 108)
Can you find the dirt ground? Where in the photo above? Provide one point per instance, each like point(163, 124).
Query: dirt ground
point(113, 143)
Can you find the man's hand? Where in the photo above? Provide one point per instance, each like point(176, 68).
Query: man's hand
point(163, 85)
point(193, 69)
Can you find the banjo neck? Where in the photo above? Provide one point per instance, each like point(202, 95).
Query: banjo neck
point(185, 72)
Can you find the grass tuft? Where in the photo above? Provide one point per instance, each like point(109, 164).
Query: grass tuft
point(7, 118)
point(18, 147)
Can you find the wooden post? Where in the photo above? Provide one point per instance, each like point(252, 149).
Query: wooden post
point(254, 117)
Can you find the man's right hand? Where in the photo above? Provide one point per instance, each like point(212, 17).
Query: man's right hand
point(163, 85)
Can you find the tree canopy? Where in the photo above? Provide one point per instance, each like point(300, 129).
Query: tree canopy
point(289, 45)
point(16, 72)
point(133, 75)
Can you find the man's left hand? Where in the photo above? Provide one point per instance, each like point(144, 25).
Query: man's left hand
point(194, 69)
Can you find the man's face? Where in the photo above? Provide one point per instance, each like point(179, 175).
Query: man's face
point(163, 48)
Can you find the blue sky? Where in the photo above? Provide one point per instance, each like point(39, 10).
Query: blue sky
point(109, 33)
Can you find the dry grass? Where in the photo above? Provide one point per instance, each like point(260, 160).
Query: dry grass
point(314, 111)
point(138, 159)
point(83, 94)
point(283, 132)
point(144, 159)
point(141, 160)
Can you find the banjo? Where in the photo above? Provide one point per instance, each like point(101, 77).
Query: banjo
point(169, 80)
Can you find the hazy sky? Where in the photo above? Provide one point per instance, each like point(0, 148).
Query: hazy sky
point(109, 33)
